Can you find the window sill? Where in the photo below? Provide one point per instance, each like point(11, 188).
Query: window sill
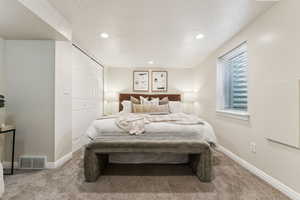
point(234, 114)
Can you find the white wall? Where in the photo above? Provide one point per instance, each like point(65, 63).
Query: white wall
point(30, 68)
point(38, 84)
point(63, 99)
point(273, 48)
point(120, 80)
point(2, 78)
point(2, 91)
point(87, 95)
point(2, 82)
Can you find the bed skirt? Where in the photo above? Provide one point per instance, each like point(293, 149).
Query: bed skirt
point(96, 154)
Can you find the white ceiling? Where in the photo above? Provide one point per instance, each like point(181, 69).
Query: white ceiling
point(18, 22)
point(160, 30)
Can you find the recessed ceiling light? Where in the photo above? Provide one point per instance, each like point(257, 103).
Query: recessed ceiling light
point(104, 35)
point(199, 36)
point(150, 62)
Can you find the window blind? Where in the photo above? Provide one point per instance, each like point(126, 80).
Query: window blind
point(235, 84)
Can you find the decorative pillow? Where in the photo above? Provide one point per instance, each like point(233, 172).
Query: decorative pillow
point(127, 106)
point(176, 107)
point(150, 108)
point(154, 101)
point(161, 109)
point(134, 100)
point(164, 101)
point(139, 108)
point(144, 100)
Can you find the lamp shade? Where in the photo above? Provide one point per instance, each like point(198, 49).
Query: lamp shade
point(189, 96)
point(111, 96)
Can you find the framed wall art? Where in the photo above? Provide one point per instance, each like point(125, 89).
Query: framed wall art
point(140, 81)
point(159, 81)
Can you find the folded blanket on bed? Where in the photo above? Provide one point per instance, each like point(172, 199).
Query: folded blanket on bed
point(134, 124)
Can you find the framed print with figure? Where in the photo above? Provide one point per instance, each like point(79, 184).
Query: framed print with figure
point(140, 81)
point(159, 81)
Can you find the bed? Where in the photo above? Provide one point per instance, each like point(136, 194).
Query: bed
point(162, 141)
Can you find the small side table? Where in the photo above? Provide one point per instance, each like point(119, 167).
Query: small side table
point(11, 131)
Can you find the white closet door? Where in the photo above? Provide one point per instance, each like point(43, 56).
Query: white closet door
point(87, 95)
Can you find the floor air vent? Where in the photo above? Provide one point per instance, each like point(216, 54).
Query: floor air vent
point(32, 162)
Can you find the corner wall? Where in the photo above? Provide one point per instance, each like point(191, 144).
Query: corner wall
point(63, 99)
point(274, 72)
point(29, 72)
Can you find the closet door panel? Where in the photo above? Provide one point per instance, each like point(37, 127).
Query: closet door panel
point(87, 97)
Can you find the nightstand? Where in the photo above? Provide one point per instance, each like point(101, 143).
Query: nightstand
point(13, 132)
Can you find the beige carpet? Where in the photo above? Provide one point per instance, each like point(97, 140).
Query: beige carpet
point(143, 182)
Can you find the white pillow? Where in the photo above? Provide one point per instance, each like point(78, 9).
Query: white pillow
point(176, 107)
point(145, 101)
point(127, 106)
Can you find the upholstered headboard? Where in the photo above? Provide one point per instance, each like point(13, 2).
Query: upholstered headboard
point(126, 96)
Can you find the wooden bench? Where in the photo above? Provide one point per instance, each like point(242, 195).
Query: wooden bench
point(96, 154)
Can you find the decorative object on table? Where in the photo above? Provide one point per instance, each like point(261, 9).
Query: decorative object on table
point(5, 127)
point(2, 109)
point(8, 129)
point(2, 101)
point(2, 124)
point(140, 81)
point(159, 81)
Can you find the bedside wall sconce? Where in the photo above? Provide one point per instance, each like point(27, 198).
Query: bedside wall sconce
point(110, 102)
point(190, 97)
point(111, 96)
point(190, 101)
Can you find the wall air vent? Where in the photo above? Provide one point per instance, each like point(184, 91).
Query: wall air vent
point(32, 162)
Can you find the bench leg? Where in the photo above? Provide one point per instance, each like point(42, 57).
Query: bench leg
point(93, 164)
point(202, 165)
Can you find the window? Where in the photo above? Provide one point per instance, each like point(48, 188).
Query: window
point(232, 80)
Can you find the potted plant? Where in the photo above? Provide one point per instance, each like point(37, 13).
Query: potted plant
point(2, 101)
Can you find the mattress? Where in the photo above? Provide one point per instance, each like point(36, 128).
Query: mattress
point(107, 128)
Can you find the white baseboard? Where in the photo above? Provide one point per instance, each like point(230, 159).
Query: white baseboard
point(60, 162)
point(76, 144)
point(49, 165)
point(269, 179)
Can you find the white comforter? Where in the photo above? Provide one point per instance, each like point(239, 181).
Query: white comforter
point(107, 126)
